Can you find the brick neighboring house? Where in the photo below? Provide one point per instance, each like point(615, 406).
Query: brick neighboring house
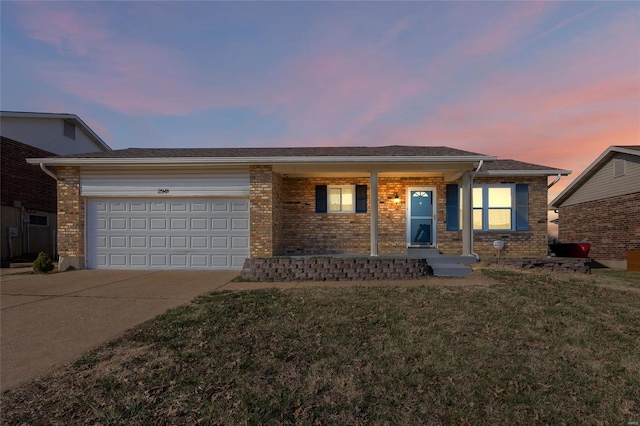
point(214, 208)
point(602, 206)
point(28, 195)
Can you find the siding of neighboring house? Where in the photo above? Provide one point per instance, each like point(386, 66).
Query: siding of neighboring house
point(603, 184)
point(48, 134)
point(605, 211)
point(34, 190)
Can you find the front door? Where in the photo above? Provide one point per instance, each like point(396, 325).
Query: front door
point(421, 217)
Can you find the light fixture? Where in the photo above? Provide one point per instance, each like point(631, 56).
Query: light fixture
point(396, 198)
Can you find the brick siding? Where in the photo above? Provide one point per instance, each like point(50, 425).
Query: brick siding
point(518, 244)
point(261, 208)
point(299, 230)
point(25, 182)
point(71, 213)
point(612, 226)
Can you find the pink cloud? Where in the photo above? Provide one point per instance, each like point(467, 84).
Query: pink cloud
point(506, 30)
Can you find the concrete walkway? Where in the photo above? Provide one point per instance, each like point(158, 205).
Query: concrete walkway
point(49, 320)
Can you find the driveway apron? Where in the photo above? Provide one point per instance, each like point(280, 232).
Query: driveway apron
point(49, 320)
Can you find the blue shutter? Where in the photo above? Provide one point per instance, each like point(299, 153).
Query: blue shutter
point(522, 207)
point(321, 198)
point(361, 198)
point(453, 207)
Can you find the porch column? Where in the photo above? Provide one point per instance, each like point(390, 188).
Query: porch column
point(374, 212)
point(467, 215)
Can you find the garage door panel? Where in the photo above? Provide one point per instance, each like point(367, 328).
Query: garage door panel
point(138, 223)
point(139, 260)
point(159, 206)
point(158, 242)
point(178, 207)
point(240, 242)
point(199, 223)
point(119, 223)
point(158, 224)
point(115, 206)
point(117, 259)
point(199, 242)
point(158, 234)
point(178, 242)
point(138, 242)
point(240, 224)
point(219, 224)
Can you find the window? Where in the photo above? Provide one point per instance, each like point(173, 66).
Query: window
point(38, 220)
point(69, 129)
point(341, 198)
point(493, 207)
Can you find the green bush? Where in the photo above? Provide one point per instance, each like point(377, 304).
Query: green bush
point(43, 263)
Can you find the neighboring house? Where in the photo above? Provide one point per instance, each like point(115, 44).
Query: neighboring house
point(28, 213)
point(213, 208)
point(602, 206)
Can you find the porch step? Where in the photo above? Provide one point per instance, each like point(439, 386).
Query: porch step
point(422, 253)
point(450, 270)
point(443, 265)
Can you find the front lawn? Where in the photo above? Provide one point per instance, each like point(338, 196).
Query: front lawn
point(536, 349)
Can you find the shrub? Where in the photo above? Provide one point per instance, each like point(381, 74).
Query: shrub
point(43, 263)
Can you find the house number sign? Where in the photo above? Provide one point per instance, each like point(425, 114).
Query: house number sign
point(163, 190)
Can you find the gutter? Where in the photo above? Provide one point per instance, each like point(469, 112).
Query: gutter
point(49, 172)
point(555, 181)
point(76, 161)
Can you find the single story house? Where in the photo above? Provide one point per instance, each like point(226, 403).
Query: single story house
point(215, 207)
point(602, 206)
point(28, 203)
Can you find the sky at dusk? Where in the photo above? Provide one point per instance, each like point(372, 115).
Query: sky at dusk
point(552, 83)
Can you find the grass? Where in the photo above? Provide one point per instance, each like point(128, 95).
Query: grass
point(535, 349)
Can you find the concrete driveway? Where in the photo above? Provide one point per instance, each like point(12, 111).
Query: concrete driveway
point(48, 320)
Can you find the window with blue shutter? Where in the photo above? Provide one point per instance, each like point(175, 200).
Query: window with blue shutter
point(321, 198)
point(522, 207)
point(361, 198)
point(453, 207)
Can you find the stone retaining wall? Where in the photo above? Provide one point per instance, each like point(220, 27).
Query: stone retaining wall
point(560, 264)
point(334, 269)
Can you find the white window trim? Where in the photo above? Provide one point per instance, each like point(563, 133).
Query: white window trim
point(485, 207)
point(353, 189)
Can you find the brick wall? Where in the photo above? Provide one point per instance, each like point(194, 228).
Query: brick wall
point(520, 244)
point(261, 207)
point(306, 232)
point(71, 213)
point(612, 226)
point(25, 182)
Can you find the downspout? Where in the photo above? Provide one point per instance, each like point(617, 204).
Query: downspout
point(555, 181)
point(49, 172)
point(477, 256)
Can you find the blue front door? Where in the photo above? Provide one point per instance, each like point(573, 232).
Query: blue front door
point(420, 218)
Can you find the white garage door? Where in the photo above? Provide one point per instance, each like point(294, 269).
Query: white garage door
point(167, 233)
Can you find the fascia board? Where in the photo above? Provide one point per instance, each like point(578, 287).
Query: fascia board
point(400, 160)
